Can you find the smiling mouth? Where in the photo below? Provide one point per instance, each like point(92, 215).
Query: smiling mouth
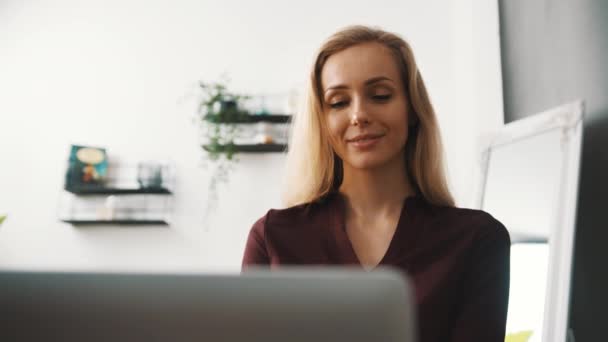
point(364, 138)
point(364, 143)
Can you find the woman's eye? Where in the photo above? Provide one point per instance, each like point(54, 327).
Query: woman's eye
point(337, 104)
point(382, 97)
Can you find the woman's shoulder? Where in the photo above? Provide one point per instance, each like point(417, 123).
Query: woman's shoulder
point(297, 216)
point(475, 223)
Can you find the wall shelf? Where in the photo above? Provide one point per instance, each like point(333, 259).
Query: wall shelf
point(94, 190)
point(253, 148)
point(250, 119)
point(117, 222)
point(130, 194)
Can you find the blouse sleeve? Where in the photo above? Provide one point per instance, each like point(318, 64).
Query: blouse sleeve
point(483, 313)
point(255, 248)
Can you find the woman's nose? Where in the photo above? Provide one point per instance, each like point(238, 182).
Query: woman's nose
point(359, 115)
point(358, 120)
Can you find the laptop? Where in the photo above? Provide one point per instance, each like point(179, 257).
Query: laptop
point(299, 304)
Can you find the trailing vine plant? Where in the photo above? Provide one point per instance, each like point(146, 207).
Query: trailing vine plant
point(218, 114)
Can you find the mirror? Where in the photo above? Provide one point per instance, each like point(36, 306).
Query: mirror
point(529, 178)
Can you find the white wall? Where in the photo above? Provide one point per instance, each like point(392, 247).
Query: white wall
point(121, 74)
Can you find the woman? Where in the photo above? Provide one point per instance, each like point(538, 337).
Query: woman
point(366, 187)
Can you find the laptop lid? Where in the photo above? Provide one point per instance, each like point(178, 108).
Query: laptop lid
point(259, 305)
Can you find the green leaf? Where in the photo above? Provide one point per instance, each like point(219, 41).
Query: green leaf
point(2, 218)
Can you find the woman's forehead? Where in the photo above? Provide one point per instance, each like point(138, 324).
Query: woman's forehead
point(355, 65)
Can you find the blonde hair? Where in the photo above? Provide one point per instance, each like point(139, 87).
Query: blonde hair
point(313, 170)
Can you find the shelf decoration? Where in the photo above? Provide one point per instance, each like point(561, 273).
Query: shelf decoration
point(87, 169)
point(233, 123)
point(98, 191)
point(220, 116)
point(219, 113)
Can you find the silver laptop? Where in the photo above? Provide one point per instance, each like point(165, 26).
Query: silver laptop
point(288, 305)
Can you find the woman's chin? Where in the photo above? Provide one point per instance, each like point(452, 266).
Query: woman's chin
point(367, 163)
point(373, 161)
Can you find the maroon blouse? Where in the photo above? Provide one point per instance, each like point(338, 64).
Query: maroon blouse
point(457, 259)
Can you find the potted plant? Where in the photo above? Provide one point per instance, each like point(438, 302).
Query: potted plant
point(218, 114)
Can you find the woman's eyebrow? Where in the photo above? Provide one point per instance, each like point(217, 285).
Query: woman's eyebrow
point(368, 82)
point(377, 79)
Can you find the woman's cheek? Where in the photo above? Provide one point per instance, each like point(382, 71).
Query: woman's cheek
point(334, 130)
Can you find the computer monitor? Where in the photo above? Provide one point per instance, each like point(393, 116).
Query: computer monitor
point(259, 305)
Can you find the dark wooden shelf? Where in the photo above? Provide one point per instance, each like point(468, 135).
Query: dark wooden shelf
point(254, 148)
point(98, 190)
point(250, 119)
point(116, 222)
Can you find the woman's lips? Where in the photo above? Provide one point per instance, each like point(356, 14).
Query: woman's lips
point(365, 142)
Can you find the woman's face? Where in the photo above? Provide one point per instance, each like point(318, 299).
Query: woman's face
point(364, 105)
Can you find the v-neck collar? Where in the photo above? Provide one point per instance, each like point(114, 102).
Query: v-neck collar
point(402, 242)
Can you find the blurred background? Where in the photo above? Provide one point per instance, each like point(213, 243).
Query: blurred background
point(123, 75)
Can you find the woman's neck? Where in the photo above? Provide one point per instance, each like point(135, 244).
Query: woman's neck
point(375, 192)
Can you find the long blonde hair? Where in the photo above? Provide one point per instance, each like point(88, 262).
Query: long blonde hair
point(313, 169)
